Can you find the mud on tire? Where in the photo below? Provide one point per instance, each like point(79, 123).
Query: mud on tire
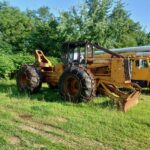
point(29, 79)
point(77, 84)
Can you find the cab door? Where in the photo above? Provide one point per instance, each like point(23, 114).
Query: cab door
point(141, 69)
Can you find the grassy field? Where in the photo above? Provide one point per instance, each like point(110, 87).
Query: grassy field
point(43, 121)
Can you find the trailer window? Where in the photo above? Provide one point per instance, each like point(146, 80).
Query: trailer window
point(137, 63)
point(141, 63)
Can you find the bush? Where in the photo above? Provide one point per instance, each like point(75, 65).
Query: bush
point(20, 59)
point(6, 66)
point(5, 48)
point(9, 64)
point(54, 60)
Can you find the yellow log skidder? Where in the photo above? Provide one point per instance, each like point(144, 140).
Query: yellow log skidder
point(82, 74)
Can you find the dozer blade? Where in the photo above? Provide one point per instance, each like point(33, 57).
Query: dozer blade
point(122, 99)
point(132, 100)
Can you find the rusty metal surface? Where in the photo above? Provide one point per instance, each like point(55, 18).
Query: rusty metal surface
point(132, 100)
point(124, 100)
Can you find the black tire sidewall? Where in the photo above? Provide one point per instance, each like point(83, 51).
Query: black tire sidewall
point(86, 87)
point(34, 77)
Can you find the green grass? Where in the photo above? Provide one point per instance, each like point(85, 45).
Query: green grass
point(44, 121)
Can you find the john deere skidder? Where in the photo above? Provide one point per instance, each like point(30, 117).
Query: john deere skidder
point(81, 75)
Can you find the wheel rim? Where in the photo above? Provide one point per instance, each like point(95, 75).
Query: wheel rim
point(23, 80)
point(72, 86)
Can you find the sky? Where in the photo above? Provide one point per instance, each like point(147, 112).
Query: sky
point(139, 9)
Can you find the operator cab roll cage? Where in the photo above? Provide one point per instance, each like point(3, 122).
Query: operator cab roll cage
point(73, 52)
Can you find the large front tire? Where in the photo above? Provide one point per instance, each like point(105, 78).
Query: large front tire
point(29, 79)
point(77, 84)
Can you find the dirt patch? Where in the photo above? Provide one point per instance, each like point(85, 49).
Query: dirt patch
point(25, 116)
point(57, 135)
point(14, 140)
point(39, 146)
point(61, 119)
point(53, 138)
point(130, 144)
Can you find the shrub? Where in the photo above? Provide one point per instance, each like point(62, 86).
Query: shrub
point(19, 59)
point(9, 64)
point(54, 60)
point(6, 66)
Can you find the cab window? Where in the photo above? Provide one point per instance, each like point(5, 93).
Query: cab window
point(141, 63)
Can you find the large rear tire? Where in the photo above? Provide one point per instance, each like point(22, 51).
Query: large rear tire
point(29, 79)
point(77, 84)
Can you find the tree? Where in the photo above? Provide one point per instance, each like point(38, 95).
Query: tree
point(88, 22)
point(15, 27)
point(44, 35)
point(102, 21)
